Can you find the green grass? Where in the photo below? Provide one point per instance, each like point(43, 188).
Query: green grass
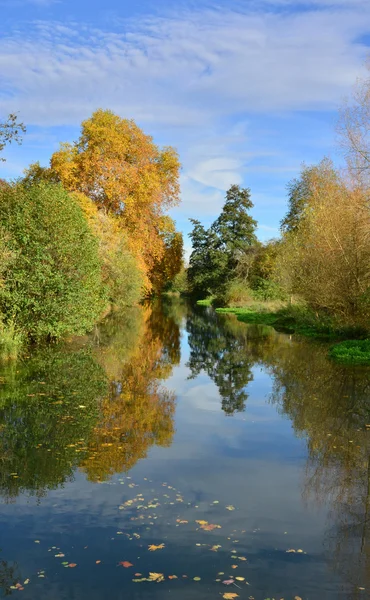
point(205, 302)
point(351, 351)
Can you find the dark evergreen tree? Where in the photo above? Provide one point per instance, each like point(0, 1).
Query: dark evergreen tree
point(216, 251)
point(235, 228)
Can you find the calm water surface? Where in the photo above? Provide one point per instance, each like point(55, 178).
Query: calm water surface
point(236, 453)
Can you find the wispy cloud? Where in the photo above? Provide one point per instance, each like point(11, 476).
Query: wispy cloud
point(205, 80)
point(182, 71)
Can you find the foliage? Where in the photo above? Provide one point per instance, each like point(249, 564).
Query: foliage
point(11, 341)
point(165, 270)
point(267, 289)
point(235, 228)
point(120, 168)
point(352, 351)
point(53, 285)
point(179, 284)
point(325, 261)
point(120, 271)
point(10, 131)
point(216, 251)
point(233, 293)
point(301, 189)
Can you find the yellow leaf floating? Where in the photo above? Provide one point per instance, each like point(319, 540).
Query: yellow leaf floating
point(230, 596)
point(158, 577)
point(153, 547)
point(230, 507)
point(240, 578)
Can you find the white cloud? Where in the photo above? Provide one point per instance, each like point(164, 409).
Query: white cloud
point(185, 70)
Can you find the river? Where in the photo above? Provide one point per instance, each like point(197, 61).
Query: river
point(177, 453)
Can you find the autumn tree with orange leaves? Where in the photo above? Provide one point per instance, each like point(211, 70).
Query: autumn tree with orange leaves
point(125, 173)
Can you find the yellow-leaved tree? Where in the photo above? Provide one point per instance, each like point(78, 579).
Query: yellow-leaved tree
point(125, 173)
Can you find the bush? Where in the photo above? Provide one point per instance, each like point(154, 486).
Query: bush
point(235, 293)
point(266, 289)
point(53, 284)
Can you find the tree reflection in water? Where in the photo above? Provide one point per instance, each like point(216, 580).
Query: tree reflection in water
point(226, 350)
point(96, 404)
point(329, 405)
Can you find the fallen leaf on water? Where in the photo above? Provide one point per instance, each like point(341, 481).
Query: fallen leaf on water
point(97, 562)
point(215, 548)
point(230, 596)
point(240, 578)
point(242, 558)
point(230, 507)
point(234, 566)
point(125, 563)
point(228, 581)
point(158, 577)
point(172, 577)
point(210, 527)
point(181, 522)
point(72, 565)
point(196, 578)
point(153, 547)
point(290, 550)
point(202, 523)
point(60, 555)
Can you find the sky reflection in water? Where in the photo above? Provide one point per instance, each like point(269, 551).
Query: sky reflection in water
point(174, 414)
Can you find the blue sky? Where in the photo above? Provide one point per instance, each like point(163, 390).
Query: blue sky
point(246, 90)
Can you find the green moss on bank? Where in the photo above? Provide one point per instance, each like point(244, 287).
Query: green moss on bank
point(351, 351)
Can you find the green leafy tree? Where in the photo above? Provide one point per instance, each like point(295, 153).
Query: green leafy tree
point(53, 285)
point(10, 131)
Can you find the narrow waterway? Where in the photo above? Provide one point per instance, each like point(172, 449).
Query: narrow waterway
point(178, 453)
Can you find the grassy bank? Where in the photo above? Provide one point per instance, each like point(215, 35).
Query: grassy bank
point(353, 344)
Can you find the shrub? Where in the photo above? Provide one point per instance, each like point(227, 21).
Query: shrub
point(235, 293)
point(267, 289)
point(53, 285)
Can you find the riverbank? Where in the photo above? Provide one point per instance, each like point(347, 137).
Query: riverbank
point(353, 344)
